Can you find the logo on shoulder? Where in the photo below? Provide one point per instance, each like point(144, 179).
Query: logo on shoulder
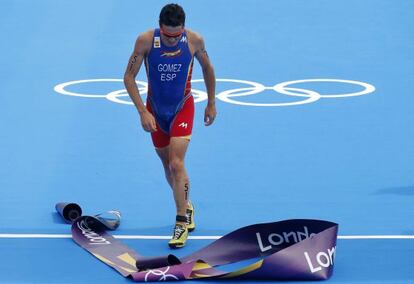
point(157, 42)
point(183, 39)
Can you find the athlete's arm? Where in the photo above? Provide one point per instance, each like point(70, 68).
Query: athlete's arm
point(209, 78)
point(142, 46)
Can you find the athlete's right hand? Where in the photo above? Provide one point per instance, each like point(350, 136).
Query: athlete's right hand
point(148, 121)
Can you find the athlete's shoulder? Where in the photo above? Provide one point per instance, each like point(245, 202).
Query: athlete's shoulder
point(193, 36)
point(147, 34)
point(144, 40)
point(195, 39)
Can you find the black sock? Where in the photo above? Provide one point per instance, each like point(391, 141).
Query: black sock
point(179, 218)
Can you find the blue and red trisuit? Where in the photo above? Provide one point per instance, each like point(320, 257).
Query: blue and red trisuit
point(169, 71)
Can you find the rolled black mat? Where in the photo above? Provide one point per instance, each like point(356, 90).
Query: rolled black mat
point(69, 211)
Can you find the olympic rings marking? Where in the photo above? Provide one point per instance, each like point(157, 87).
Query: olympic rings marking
point(61, 87)
point(158, 272)
point(368, 88)
point(229, 96)
point(257, 88)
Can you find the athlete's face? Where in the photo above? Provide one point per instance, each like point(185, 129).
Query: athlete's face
point(171, 35)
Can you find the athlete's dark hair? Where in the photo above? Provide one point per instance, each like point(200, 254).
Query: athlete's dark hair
point(172, 15)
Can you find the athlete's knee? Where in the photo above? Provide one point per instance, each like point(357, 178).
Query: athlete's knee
point(176, 165)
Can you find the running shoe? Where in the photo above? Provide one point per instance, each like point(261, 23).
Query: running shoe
point(180, 235)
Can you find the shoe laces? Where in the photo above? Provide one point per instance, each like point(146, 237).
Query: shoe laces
point(178, 230)
point(188, 215)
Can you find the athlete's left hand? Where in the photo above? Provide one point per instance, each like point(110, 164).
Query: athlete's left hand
point(210, 114)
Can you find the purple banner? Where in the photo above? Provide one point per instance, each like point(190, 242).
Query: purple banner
point(299, 249)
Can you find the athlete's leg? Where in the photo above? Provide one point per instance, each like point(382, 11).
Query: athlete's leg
point(177, 149)
point(181, 184)
point(163, 153)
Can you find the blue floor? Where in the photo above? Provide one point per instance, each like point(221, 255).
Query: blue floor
point(347, 159)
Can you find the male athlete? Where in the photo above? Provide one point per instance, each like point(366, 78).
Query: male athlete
point(168, 53)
